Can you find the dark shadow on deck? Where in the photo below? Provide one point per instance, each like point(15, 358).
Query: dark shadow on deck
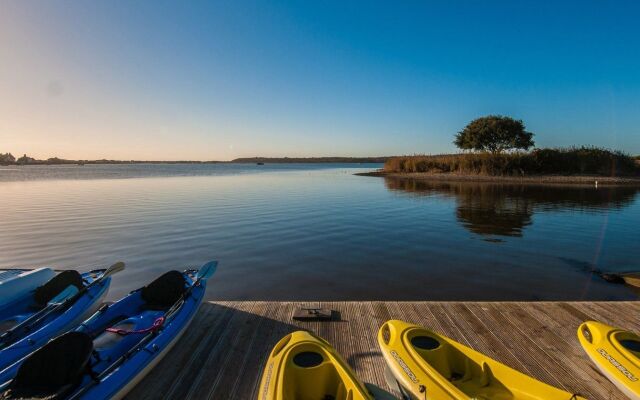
point(223, 352)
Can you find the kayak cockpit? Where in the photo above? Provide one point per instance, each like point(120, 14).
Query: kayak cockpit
point(22, 309)
point(152, 300)
point(475, 379)
point(37, 299)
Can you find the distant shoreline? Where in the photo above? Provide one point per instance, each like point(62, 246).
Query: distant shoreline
point(252, 160)
point(584, 180)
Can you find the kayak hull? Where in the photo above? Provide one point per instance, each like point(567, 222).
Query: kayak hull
point(605, 347)
point(302, 366)
point(428, 365)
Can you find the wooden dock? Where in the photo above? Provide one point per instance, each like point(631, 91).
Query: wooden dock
point(223, 353)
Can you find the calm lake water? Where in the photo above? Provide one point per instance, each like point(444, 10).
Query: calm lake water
point(316, 232)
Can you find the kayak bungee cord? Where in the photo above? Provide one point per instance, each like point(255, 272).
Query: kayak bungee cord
point(157, 324)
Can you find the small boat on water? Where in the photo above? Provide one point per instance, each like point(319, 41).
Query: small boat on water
point(32, 316)
point(427, 365)
point(109, 353)
point(259, 163)
point(303, 366)
point(616, 353)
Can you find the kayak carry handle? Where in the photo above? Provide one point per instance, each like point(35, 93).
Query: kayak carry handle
point(387, 332)
point(280, 345)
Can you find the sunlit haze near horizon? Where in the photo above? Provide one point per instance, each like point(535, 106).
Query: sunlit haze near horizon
point(225, 79)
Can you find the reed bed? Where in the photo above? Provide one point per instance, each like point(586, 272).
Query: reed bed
point(562, 161)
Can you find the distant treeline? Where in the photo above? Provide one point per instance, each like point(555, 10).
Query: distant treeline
point(9, 159)
point(283, 160)
point(569, 161)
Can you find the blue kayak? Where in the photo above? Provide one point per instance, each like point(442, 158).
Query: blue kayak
point(30, 321)
point(109, 353)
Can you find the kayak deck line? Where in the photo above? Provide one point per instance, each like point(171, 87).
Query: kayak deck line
point(223, 353)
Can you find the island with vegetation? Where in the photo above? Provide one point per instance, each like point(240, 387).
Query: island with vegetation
point(499, 148)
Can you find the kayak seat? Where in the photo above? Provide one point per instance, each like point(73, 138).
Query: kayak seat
point(163, 292)
point(486, 376)
point(483, 385)
point(11, 322)
point(111, 345)
point(54, 370)
point(43, 294)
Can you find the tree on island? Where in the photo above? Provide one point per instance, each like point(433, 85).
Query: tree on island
point(494, 133)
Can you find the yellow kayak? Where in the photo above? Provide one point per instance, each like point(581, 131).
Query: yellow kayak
point(434, 367)
point(616, 352)
point(304, 367)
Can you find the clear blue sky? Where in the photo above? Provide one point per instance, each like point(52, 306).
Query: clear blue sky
point(219, 80)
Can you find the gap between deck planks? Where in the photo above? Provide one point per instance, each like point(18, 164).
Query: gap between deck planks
point(222, 354)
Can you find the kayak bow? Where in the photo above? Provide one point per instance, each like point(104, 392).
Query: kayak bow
point(615, 352)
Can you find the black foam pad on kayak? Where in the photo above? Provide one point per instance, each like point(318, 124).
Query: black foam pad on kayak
point(164, 291)
point(56, 285)
point(54, 370)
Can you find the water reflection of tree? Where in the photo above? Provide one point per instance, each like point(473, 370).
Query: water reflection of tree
point(506, 210)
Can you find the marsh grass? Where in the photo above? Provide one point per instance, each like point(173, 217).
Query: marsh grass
point(563, 161)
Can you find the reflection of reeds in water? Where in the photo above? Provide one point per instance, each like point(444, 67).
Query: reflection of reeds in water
point(584, 160)
point(506, 210)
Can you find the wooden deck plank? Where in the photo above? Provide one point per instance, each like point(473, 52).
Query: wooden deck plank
point(561, 327)
point(557, 360)
point(222, 354)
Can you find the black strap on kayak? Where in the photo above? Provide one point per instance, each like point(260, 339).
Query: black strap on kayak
point(575, 396)
point(93, 374)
